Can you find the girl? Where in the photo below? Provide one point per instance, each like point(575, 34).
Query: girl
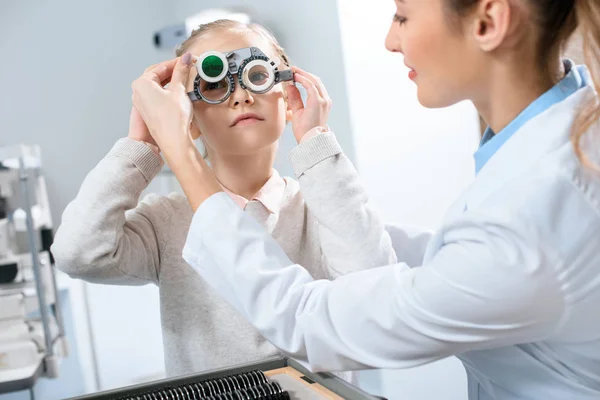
point(326, 227)
point(511, 282)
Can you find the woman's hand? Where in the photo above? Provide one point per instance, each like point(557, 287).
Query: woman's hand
point(166, 111)
point(318, 104)
point(137, 127)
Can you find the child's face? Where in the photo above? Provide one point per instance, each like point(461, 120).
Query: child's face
point(443, 57)
point(216, 122)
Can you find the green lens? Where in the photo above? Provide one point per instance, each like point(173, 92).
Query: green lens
point(212, 66)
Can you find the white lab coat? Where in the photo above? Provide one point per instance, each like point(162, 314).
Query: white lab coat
point(510, 283)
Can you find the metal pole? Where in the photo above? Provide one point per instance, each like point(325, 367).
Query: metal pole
point(42, 198)
point(58, 313)
point(23, 177)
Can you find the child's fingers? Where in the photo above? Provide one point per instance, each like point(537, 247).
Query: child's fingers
point(315, 80)
point(294, 98)
point(311, 89)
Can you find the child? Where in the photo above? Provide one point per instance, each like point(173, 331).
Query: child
point(107, 237)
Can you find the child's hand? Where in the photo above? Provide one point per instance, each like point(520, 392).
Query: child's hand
point(167, 112)
point(318, 103)
point(138, 129)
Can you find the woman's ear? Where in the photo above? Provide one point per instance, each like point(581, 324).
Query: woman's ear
point(194, 130)
point(492, 23)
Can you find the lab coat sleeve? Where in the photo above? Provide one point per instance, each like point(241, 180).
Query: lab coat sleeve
point(409, 243)
point(351, 233)
point(490, 285)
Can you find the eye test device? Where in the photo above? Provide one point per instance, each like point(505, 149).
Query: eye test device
point(216, 71)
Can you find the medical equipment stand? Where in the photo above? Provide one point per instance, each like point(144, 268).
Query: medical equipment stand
point(27, 160)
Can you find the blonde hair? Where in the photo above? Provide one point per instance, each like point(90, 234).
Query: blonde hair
point(587, 13)
point(228, 24)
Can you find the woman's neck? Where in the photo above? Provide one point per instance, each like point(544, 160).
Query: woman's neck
point(244, 175)
point(511, 89)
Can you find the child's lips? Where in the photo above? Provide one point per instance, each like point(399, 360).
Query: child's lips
point(246, 119)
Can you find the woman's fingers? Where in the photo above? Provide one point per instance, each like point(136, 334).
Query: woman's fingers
point(161, 72)
point(154, 77)
point(181, 72)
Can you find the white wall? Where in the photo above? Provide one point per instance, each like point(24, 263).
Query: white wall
point(414, 162)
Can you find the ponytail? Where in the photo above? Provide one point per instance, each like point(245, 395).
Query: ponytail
point(588, 17)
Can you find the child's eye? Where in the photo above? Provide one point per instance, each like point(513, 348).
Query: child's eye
point(214, 85)
point(258, 78)
point(399, 19)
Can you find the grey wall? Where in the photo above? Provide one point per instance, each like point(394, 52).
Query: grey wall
point(66, 72)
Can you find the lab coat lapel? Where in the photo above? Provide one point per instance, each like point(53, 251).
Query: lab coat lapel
point(539, 136)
